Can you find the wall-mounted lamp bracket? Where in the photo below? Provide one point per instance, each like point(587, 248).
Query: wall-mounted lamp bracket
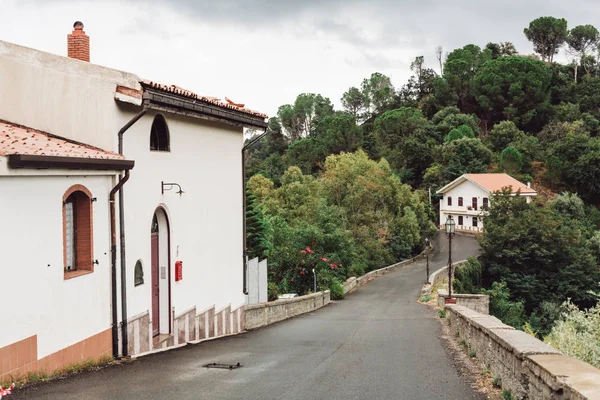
point(168, 186)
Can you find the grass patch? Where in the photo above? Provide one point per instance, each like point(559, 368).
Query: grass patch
point(507, 395)
point(426, 298)
point(471, 353)
point(442, 313)
point(497, 382)
point(42, 376)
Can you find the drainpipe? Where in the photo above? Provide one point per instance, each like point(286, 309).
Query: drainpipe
point(113, 249)
point(244, 252)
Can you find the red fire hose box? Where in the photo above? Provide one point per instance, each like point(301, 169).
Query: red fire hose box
point(178, 270)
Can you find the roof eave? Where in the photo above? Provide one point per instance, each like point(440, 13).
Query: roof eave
point(177, 104)
point(57, 162)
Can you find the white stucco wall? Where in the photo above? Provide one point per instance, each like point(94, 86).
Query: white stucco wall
point(467, 190)
point(35, 296)
point(75, 100)
point(205, 221)
point(59, 95)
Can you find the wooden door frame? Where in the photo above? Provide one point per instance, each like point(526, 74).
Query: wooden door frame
point(163, 210)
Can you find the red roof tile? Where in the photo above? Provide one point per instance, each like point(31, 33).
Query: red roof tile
point(495, 182)
point(212, 100)
point(15, 139)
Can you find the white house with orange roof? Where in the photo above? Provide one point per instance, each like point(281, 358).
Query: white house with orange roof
point(467, 198)
point(121, 203)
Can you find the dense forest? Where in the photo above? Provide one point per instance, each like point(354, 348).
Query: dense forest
point(347, 191)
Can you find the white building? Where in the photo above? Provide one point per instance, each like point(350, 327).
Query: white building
point(182, 215)
point(467, 198)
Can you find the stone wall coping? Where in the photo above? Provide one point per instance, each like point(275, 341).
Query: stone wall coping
point(517, 342)
point(286, 301)
point(520, 343)
point(444, 293)
point(560, 371)
point(434, 274)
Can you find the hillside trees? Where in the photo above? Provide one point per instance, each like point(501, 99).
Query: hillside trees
point(547, 34)
point(582, 40)
point(542, 255)
point(514, 88)
point(356, 214)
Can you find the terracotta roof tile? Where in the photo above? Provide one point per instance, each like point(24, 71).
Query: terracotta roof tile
point(16, 139)
point(207, 99)
point(495, 182)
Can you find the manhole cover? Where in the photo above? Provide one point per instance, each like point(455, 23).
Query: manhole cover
point(223, 366)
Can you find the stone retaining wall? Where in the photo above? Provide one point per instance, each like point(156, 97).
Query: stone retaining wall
point(475, 302)
point(527, 367)
point(262, 314)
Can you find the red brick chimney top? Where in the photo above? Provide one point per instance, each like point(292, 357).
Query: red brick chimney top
point(78, 43)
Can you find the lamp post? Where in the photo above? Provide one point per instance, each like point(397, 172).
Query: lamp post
point(450, 227)
point(427, 242)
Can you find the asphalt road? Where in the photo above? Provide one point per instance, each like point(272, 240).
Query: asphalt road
point(378, 343)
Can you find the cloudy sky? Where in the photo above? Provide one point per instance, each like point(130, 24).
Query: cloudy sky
point(265, 52)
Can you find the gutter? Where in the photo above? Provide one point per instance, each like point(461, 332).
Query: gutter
point(244, 252)
point(113, 248)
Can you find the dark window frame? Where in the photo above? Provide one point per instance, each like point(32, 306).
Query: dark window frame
point(450, 201)
point(460, 201)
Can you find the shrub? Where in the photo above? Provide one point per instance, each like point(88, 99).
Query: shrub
point(467, 277)
point(272, 291)
point(510, 312)
point(442, 313)
point(507, 395)
point(577, 333)
point(337, 289)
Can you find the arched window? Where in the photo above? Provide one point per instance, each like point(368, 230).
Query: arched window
point(138, 273)
point(77, 231)
point(159, 134)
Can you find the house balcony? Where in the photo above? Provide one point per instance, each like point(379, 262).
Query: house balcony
point(465, 211)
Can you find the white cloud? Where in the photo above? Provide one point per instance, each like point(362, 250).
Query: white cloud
point(263, 53)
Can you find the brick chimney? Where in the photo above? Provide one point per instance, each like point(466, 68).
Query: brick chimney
point(78, 43)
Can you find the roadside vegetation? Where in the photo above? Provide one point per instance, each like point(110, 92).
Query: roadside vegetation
point(345, 191)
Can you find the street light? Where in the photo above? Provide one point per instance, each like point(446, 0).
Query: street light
point(450, 227)
point(427, 243)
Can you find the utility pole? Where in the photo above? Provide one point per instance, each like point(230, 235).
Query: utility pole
point(427, 255)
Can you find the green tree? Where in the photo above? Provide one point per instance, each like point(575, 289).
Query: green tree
point(502, 134)
point(568, 204)
point(355, 102)
point(464, 156)
point(460, 69)
point(501, 49)
point(450, 118)
point(257, 229)
point(339, 133)
point(511, 160)
point(547, 34)
point(514, 88)
point(300, 119)
point(540, 254)
point(307, 153)
point(407, 140)
point(582, 40)
point(462, 131)
point(379, 91)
